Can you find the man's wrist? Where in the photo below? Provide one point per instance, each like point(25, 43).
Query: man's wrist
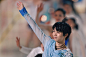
point(23, 11)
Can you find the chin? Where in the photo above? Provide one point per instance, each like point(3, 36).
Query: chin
point(55, 40)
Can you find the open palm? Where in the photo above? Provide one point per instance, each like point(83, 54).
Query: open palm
point(18, 42)
point(20, 5)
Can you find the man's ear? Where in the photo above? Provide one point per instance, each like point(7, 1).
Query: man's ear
point(66, 35)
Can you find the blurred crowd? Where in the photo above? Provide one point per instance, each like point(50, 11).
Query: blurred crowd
point(13, 25)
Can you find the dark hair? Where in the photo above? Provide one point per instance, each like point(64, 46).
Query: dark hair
point(62, 10)
point(62, 27)
point(74, 21)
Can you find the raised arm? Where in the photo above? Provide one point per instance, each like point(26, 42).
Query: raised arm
point(46, 27)
point(42, 37)
point(23, 49)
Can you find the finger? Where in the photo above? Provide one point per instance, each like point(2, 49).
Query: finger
point(17, 42)
point(19, 2)
point(18, 5)
point(17, 38)
point(41, 4)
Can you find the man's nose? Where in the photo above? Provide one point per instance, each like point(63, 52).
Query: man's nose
point(55, 33)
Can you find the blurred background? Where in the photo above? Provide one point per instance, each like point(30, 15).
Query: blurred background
point(13, 25)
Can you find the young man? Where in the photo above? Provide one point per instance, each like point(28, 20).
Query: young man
point(61, 31)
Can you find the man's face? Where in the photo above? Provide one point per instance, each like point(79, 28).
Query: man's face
point(58, 36)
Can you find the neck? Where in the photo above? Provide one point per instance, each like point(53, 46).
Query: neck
point(60, 46)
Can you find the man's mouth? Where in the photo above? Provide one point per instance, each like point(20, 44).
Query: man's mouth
point(55, 37)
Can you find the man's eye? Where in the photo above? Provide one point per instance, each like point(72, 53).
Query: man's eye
point(57, 31)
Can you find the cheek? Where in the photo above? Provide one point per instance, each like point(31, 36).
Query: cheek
point(60, 37)
point(52, 34)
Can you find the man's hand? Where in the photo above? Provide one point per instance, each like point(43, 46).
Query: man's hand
point(18, 42)
point(40, 8)
point(20, 5)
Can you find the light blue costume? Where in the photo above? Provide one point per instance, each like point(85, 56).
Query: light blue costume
point(49, 44)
